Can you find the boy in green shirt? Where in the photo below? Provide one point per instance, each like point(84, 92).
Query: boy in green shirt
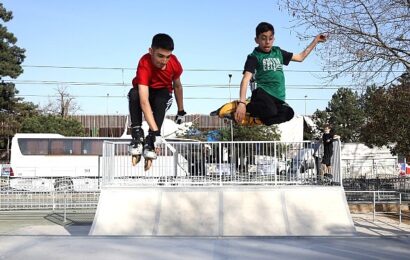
point(265, 64)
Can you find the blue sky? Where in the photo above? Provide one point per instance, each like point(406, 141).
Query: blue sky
point(212, 40)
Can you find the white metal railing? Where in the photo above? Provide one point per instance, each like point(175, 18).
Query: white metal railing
point(369, 168)
point(48, 184)
point(218, 163)
point(377, 198)
point(52, 200)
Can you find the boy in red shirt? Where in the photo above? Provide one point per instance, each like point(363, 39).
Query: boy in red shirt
point(157, 76)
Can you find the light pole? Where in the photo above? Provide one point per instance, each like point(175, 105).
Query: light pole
point(108, 119)
point(305, 104)
point(230, 100)
point(106, 105)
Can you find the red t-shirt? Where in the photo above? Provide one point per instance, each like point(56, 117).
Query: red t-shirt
point(149, 75)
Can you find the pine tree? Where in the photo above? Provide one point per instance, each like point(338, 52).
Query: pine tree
point(12, 110)
point(387, 116)
point(344, 114)
point(11, 56)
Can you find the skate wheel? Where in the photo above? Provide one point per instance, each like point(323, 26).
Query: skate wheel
point(148, 164)
point(135, 159)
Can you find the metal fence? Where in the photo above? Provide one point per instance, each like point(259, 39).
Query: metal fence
point(370, 168)
point(220, 163)
point(54, 200)
point(62, 207)
point(399, 184)
point(379, 198)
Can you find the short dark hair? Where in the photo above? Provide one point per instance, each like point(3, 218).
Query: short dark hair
point(264, 27)
point(163, 41)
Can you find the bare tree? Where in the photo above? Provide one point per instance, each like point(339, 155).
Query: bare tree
point(63, 105)
point(369, 40)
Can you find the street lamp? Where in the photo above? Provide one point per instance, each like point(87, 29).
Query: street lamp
point(305, 104)
point(108, 95)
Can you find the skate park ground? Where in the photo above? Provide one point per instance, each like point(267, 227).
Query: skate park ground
point(44, 235)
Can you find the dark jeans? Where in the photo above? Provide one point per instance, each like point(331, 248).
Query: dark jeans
point(268, 109)
point(159, 99)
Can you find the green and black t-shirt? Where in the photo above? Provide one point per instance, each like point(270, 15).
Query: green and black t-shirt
point(267, 68)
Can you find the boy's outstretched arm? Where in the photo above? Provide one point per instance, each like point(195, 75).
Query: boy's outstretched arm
point(179, 97)
point(179, 94)
point(301, 56)
point(241, 109)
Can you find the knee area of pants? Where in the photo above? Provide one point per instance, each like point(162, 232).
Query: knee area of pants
point(268, 123)
point(133, 94)
point(291, 115)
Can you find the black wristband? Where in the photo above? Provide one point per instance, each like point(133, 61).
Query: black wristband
point(241, 102)
point(181, 113)
point(155, 133)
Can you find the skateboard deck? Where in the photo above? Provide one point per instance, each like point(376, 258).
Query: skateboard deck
point(228, 110)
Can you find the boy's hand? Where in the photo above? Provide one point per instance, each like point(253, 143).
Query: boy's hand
point(156, 137)
point(240, 112)
point(180, 117)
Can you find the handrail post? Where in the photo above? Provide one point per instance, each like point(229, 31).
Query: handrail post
point(220, 163)
point(374, 206)
point(399, 208)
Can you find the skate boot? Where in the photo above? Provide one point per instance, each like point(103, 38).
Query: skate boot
point(149, 146)
point(226, 110)
point(250, 121)
point(136, 145)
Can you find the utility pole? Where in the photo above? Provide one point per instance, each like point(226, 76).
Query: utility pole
point(305, 104)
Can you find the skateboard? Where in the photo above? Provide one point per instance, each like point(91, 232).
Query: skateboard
point(228, 110)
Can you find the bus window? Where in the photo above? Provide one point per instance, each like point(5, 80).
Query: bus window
point(76, 147)
point(92, 147)
point(33, 146)
point(61, 147)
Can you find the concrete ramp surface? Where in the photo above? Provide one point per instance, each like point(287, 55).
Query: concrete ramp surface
point(223, 211)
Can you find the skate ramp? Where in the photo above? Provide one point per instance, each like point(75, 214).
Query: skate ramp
point(223, 211)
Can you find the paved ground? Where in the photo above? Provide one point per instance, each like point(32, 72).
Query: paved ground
point(46, 247)
point(40, 235)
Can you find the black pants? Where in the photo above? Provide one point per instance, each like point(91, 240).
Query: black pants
point(327, 155)
point(268, 109)
point(159, 99)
